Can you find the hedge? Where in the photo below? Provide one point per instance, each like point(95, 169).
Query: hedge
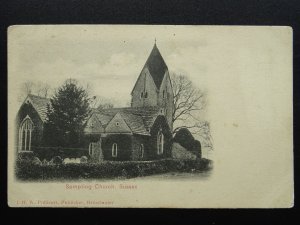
point(27, 171)
point(50, 152)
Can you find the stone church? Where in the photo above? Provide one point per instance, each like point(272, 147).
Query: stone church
point(142, 131)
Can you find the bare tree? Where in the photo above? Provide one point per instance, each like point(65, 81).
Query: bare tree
point(42, 89)
point(189, 101)
point(27, 87)
point(36, 88)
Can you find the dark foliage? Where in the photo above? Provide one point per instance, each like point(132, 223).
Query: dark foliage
point(28, 171)
point(197, 148)
point(186, 140)
point(66, 115)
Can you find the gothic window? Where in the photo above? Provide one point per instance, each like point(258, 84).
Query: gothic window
point(114, 150)
point(146, 94)
point(142, 94)
point(25, 134)
point(160, 143)
point(163, 93)
point(141, 151)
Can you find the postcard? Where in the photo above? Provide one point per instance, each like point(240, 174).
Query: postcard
point(150, 116)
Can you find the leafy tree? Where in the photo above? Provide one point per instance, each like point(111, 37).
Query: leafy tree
point(184, 137)
point(66, 115)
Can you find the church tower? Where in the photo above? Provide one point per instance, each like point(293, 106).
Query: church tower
point(153, 87)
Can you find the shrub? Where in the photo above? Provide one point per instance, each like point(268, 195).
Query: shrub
point(25, 156)
point(26, 170)
point(56, 160)
point(36, 161)
point(184, 138)
point(45, 162)
point(197, 148)
point(83, 159)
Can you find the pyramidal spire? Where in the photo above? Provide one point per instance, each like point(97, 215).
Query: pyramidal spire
point(156, 65)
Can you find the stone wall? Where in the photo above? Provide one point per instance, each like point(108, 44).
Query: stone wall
point(144, 84)
point(124, 146)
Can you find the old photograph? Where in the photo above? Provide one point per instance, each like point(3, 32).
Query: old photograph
point(112, 115)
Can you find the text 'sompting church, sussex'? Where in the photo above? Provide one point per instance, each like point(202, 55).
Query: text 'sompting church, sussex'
point(140, 132)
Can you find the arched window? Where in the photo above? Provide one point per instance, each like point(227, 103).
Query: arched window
point(160, 143)
point(141, 151)
point(142, 94)
point(25, 134)
point(114, 150)
point(92, 146)
point(146, 94)
point(163, 93)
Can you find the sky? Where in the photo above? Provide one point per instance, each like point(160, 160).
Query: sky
point(108, 58)
point(232, 64)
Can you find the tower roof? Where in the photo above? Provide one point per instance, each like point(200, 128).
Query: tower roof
point(156, 66)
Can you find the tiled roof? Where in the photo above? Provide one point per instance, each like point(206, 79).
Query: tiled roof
point(156, 66)
point(139, 120)
point(135, 123)
point(40, 105)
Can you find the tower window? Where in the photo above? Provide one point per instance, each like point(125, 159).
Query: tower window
point(146, 94)
point(142, 94)
point(114, 150)
point(163, 93)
